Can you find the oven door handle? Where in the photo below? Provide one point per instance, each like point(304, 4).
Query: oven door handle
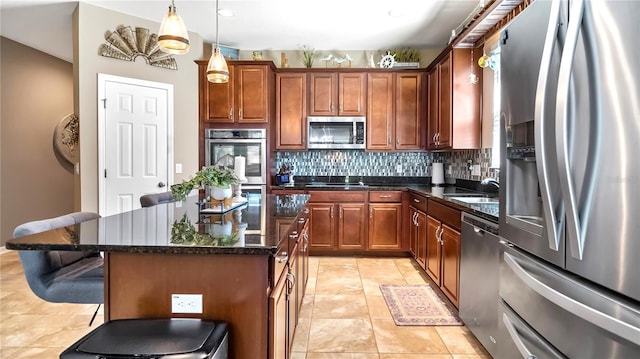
point(230, 140)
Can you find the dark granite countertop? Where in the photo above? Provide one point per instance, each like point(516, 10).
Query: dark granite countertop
point(420, 185)
point(176, 228)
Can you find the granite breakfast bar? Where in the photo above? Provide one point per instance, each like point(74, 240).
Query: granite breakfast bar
point(250, 265)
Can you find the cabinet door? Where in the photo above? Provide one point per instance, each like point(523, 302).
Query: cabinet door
point(380, 118)
point(450, 263)
point(323, 94)
point(352, 94)
point(292, 300)
point(291, 111)
point(421, 239)
point(433, 249)
point(433, 117)
point(322, 228)
point(408, 111)
point(252, 89)
point(278, 320)
point(385, 226)
point(217, 99)
point(413, 232)
point(445, 109)
point(352, 226)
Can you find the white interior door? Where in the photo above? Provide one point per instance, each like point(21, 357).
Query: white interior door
point(135, 151)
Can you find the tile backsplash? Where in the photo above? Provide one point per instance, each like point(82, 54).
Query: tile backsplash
point(361, 163)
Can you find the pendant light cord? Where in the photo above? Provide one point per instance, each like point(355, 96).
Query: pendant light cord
point(216, 15)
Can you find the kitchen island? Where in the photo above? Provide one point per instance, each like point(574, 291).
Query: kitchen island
point(248, 264)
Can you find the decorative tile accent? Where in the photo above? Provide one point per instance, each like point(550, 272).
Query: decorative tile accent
point(361, 163)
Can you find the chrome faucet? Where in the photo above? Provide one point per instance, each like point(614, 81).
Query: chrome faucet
point(492, 181)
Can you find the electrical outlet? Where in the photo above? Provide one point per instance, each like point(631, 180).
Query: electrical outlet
point(475, 170)
point(186, 303)
point(449, 170)
point(399, 168)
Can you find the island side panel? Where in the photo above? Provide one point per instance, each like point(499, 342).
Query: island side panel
point(234, 288)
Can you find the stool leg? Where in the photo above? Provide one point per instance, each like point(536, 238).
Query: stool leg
point(94, 315)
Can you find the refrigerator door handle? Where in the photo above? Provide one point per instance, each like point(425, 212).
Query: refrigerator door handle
point(513, 333)
point(575, 237)
point(552, 224)
point(608, 323)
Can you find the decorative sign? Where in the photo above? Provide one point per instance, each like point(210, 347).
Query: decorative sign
point(127, 44)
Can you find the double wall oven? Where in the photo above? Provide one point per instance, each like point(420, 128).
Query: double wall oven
point(222, 146)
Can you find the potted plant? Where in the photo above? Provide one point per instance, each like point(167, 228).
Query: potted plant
point(217, 180)
point(406, 57)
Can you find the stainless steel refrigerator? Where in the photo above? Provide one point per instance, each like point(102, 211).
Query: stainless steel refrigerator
point(570, 180)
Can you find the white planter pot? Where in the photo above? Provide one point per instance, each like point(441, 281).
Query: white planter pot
point(219, 194)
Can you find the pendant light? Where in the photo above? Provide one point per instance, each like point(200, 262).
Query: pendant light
point(173, 37)
point(217, 70)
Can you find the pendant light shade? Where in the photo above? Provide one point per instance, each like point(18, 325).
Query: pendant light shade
point(173, 37)
point(217, 70)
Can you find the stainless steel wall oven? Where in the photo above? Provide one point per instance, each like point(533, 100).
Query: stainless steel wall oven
point(222, 145)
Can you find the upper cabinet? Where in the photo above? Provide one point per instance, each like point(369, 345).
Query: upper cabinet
point(248, 97)
point(454, 120)
point(395, 112)
point(337, 94)
point(291, 111)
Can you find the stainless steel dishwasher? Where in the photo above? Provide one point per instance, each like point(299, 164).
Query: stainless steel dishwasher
point(479, 279)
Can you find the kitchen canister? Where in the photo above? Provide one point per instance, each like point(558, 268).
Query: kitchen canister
point(437, 173)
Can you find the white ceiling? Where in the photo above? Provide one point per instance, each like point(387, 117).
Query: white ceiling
point(258, 24)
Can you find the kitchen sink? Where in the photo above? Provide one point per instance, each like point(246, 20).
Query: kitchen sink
point(475, 199)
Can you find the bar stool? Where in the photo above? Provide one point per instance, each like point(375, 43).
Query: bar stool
point(175, 338)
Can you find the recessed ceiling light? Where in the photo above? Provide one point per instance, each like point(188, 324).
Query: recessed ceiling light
point(226, 12)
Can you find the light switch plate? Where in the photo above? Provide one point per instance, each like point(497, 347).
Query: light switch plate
point(178, 167)
point(186, 303)
point(399, 168)
point(475, 170)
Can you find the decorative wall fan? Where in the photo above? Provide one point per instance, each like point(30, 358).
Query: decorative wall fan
point(127, 44)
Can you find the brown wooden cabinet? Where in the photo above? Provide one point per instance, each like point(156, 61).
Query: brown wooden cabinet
point(385, 222)
point(337, 94)
point(291, 111)
point(279, 319)
point(395, 115)
point(418, 236)
point(248, 97)
point(337, 220)
point(443, 248)
point(454, 119)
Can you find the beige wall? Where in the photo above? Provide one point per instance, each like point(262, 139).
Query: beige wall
point(90, 24)
point(36, 93)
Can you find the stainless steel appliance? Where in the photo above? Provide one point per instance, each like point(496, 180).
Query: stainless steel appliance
point(221, 146)
point(570, 86)
point(479, 268)
point(336, 132)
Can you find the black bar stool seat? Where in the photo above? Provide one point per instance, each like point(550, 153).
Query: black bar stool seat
point(153, 338)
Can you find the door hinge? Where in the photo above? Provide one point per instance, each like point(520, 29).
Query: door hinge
point(104, 103)
point(105, 173)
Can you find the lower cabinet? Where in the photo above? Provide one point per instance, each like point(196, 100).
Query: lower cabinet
point(337, 226)
point(418, 236)
point(443, 249)
point(279, 318)
point(385, 223)
point(291, 266)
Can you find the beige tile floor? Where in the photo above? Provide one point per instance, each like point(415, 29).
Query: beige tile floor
point(343, 316)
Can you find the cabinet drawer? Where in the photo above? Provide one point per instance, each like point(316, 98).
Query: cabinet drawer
point(337, 196)
point(418, 202)
point(446, 214)
point(385, 196)
point(287, 191)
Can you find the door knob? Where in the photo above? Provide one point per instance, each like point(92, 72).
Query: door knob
point(161, 184)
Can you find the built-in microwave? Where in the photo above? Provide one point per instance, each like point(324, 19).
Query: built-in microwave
point(336, 132)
